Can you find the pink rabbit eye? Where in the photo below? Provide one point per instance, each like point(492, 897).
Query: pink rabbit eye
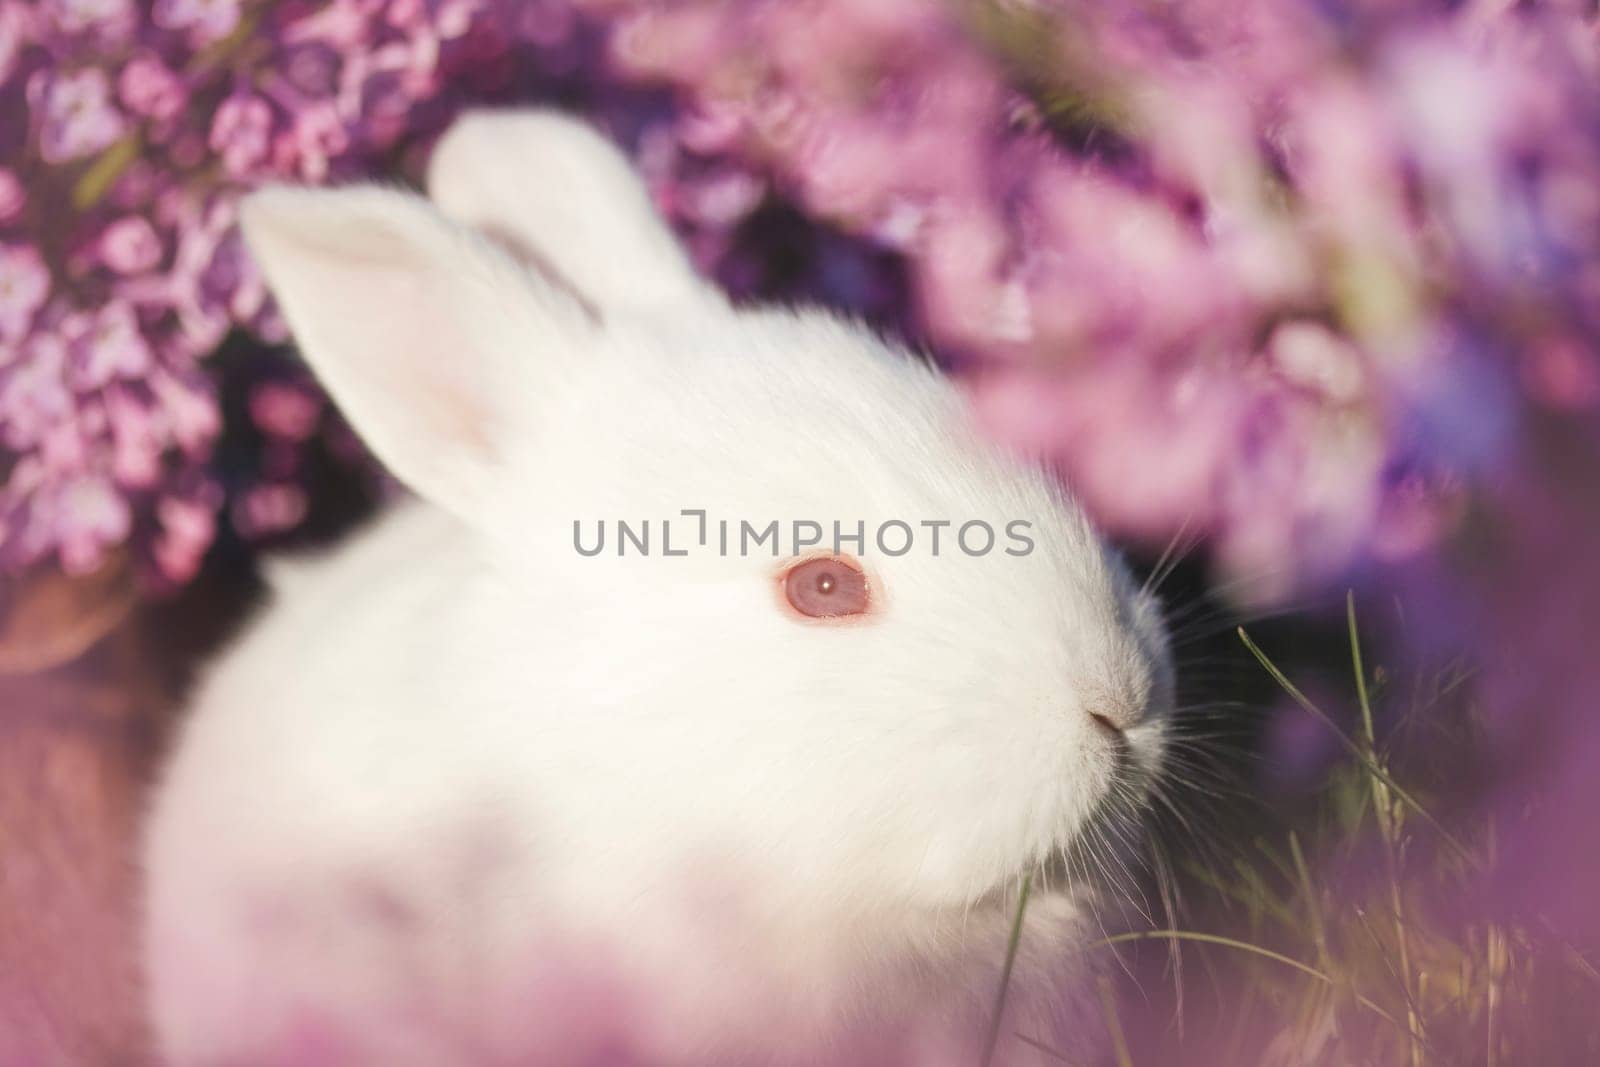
point(826, 588)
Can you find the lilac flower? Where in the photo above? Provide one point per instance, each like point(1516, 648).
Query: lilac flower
point(138, 438)
point(78, 117)
point(73, 16)
point(187, 528)
point(241, 132)
point(312, 69)
point(286, 411)
point(108, 345)
point(90, 515)
point(267, 509)
point(33, 394)
point(206, 20)
point(149, 88)
point(315, 135)
point(24, 287)
point(191, 413)
point(13, 197)
point(130, 245)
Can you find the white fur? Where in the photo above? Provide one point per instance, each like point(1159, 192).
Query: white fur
point(453, 749)
point(554, 191)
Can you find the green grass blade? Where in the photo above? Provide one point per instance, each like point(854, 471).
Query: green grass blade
point(1366, 761)
point(993, 1039)
point(1245, 946)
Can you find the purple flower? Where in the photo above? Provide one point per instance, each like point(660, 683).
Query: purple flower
point(33, 392)
point(187, 528)
point(148, 87)
point(191, 414)
point(285, 411)
point(73, 16)
point(315, 135)
point(24, 285)
point(138, 438)
point(78, 117)
point(346, 25)
point(65, 447)
point(241, 131)
point(312, 69)
point(206, 20)
point(268, 509)
point(108, 345)
point(13, 197)
point(1564, 374)
point(88, 515)
point(130, 245)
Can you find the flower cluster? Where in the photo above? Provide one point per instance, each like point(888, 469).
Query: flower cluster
point(127, 133)
point(1276, 273)
point(1317, 281)
point(1281, 272)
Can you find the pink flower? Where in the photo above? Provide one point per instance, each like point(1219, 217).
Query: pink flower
point(34, 397)
point(344, 24)
point(24, 285)
point(110, 345)
point(73, 16)
point(285, 411)
point(711, 127)
point(1564, 374)
point(1143, 452)
point(130, 245)
point(722, 199)
point(312, 69)
point(137, 437)
point(1341, 152)
point(148, 87)
point(187, 529)
point(1310, 355)
point(241, 131)
point(79, 117)
point(17, 21)
point(190, 410)
point(88, 515)
point(65, 447)
point(268, 509)
point(316, 134)
point(961, 278)
point(13, 197)
point(206, 20)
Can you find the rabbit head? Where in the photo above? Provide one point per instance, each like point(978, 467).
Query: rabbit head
point(844, 640)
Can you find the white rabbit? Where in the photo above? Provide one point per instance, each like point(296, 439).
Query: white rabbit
point(456, 762)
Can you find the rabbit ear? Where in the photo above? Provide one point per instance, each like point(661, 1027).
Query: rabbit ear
point(564, 199)
point(434, 343)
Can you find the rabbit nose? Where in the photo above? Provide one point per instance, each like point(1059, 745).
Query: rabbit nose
point(1115, 717)
point(1105, 722)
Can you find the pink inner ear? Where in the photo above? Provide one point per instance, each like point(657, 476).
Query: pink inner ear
point(827, 587)
point(457, 419)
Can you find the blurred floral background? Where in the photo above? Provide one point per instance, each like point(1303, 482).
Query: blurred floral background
point(1304, 294)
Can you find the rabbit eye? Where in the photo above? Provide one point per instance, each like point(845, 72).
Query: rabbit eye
point(826, 588)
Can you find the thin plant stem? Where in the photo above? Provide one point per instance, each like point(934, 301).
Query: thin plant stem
point(1245, 946)
point(1119, 1040)
point(1389, 830)
point(993, 1039)
point(1354, 749)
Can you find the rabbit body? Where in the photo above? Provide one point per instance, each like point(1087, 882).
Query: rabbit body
point(466, 794)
